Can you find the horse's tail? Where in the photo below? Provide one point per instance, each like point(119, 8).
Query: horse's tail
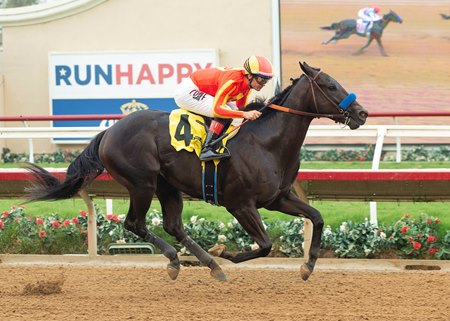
point(82, 171)
point(333, 26)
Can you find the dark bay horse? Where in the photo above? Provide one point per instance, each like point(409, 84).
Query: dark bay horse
point(137, 153)
point(347, 27)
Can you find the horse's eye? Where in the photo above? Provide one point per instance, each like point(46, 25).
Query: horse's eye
point(332, 87)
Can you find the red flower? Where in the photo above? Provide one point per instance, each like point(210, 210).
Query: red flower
point(410, 239)
point(55, 224)
point(405, 229)
point(419, 235)
point(5, 214)
point(42, 234)
point(109, 216)
point(39, 221)
point(437, 221)
point(1, 225)
point(75, 220)
point(417, 246)
point(431, 239)
point(433, 250)
point(428, 220)
point(116, 218)
point(83, 213)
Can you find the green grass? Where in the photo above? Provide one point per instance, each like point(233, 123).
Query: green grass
point(333, 213)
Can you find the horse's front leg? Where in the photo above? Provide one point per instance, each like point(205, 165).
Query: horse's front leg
point(292, 205)
point(250, 220)
point(380, 46)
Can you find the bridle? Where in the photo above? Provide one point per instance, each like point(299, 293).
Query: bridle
point(343, 113)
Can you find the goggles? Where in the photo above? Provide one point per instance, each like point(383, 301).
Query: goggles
point(261, 80)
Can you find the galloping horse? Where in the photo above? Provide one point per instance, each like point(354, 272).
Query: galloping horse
point(137, 153)
point(347, 27)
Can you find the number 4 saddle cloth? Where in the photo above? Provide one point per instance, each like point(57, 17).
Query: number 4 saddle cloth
point(188, 131)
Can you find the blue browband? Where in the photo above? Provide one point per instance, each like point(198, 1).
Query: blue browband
point(347, 101)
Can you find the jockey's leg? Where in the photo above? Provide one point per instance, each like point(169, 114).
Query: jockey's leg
point(209, 151)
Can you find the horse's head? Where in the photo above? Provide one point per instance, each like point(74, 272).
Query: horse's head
point(392, 16)
point(329, 99)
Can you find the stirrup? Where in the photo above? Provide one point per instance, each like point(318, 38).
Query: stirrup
point(207, 155)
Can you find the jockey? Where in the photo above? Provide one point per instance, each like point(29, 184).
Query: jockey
point(368, 16)
point(221, 93)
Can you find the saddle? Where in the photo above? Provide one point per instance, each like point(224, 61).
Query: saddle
point(361, 26)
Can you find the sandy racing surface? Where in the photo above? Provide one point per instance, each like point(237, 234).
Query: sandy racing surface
point(101, 293)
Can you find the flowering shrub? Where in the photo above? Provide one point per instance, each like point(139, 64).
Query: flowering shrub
point(416, 238)
point(408, 238)
point(351, 240)
point(417, 153)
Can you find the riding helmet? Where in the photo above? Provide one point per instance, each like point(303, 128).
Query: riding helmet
point(259, 66)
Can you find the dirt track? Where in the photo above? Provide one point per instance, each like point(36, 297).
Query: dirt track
point(147, 293)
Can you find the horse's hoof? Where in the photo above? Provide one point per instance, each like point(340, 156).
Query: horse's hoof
point(217, 250)
point(172, 271)
point(305, 272)
point(324, 42)
point(218, 274)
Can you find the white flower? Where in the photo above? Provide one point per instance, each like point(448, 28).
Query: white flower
point(222, 238)
point(122, 217)
point(193, 219)
point(383, 235)
point(221, 226)
point(182, 250)
point(303, 245)
point(327, 231)
point(156, 221)
point(122, 241)
point(367, 251)
point(343, 227)
point(254, 246)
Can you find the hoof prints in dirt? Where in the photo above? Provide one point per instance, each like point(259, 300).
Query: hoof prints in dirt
point(43, 288)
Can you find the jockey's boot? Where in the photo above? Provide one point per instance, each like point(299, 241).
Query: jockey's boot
point(209, 151)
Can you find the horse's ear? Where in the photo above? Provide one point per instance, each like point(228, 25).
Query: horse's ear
point(304, 66)
point(307, 69)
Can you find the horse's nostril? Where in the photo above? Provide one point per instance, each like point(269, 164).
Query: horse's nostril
point(363, 114)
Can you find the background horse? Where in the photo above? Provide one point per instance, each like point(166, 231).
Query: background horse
point(137, 153)
point(347, 27)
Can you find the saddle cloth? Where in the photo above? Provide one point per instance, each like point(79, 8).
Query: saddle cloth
point(188, 131)
point(361, 26)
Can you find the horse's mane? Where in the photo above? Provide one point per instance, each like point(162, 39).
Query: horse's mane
point(280, 96)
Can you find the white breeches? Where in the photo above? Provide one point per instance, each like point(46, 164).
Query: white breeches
point(188, 96)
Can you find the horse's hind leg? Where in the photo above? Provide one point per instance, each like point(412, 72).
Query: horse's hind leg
point(333, 39)
point(172, 207)
point(140, 200)
point(361, 50)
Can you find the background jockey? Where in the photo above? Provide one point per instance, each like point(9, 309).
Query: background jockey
point(221, 93)
point(368, 16)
